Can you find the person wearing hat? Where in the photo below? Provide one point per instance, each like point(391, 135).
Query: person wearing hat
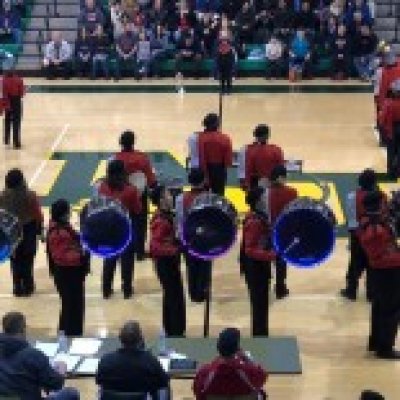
point(378, 240)
point(117, 187)
point(256, 254)
point(165, 252)
point(355, 211)
point(70, 265)
point(232, 373)
point(214, 152)
point(136, 164)
point(257, 160)
point(13, 92)
point(198, 270)
point(279, 196)
point(23, 203)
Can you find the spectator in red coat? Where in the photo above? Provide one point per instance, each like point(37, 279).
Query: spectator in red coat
point(232, 373)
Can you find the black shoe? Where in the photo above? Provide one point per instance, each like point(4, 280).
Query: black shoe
point(281, 292)
point(128, 295)
point(347, 294)
point(141, 256)
point(107, 294)
point(128, 292)
point(388, 354)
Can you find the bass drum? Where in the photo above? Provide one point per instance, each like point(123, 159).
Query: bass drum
point(209, 227)
point(10, 234)
point(106, 228)
point(304, 234)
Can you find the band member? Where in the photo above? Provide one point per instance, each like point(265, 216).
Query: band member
point(164, 249)
point(225, 62)
point(13, 92)
point(255, 259)
point(70, 264)
point(390, 73)
point(198, 270)
point(379, 243)
point(137, 165)
point(213, 150)
point(116, 186)
point(279, 196)
point(358, 263)
point(18, 200)
point(257, 160)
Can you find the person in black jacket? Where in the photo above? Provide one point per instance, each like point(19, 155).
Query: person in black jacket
point(341, 53)
point(83, 54)
point(131, 368)
point(100, 54)
point(24, 371)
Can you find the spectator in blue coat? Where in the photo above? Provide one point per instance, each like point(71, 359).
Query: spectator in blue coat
point(300, 55)
point(10, 22)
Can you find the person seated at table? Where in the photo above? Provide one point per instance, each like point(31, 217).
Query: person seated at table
point(24, 371)
point(132, 368)
point(232, 373)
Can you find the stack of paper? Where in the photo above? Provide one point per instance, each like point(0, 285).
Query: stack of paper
point(85, 346)
point(88, 366)
point(49, 349)
point(71, 361)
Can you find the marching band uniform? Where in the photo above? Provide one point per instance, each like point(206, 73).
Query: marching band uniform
point(390, 73)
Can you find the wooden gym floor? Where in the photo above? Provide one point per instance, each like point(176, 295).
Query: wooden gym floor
point(331, 132)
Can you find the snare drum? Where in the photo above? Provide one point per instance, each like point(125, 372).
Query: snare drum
point(106, 228)
point(10, 234)
point(304, 234)
point(209, 228)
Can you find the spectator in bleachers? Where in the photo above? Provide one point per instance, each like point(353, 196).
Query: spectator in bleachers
point(299, 56)
point(208, 6)
point(91, 17)
point(143, 57)
point(160, 47)
point(364, 45)
point(337, 8)
point(188, 50)
point(244, 23)
point(230, 8)
point(341, 47)
point(57, 57)
point(100, 53)
point(306, 19)
point(208, 32)
point(275, 58)
point(10, 22)
point(126, 47)
point(264, 24)
point(83, 54)
point(118, 18)
point(358, 11)
point(283, 21)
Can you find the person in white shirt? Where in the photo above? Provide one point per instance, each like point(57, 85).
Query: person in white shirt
point(57, 57)
point(274, 54)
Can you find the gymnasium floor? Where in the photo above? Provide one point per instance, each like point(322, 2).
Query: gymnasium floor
point(65, 136)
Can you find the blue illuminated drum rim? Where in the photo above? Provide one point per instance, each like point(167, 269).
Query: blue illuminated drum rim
point(304, 235)
point(10, 234)
point(106, 227)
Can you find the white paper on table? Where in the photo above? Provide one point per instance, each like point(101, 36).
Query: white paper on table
point(177, 356)
point(71, 361)
point(88, 366)
point(48, 349)
point(85, 346)
point(165, 363)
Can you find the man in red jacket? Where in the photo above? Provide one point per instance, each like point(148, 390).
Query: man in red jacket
point(141, 174)
point(13, 92)
point(257, 160)
point(164, 250)
point(379, 243)
point(279, 196)
point(233, 373)
point(214, 153)
point(255, 259)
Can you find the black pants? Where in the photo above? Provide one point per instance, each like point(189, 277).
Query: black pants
point(257, 275)
point(225, 72)
point(275, 68)
point(83, 68)
point(22, 261)
point(173, 308)
point(281, 273)
point(70, 282)
point(62, 70)
point(141, 226)
point(12, 119)
point(217, 175)
point(358, 263)
point(198, 274)
point(393, 154)
point(127, 259)
point(385, 308)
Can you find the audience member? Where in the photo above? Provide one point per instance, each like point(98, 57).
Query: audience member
point(100, 53)
point(91, 17)
point(341, 54)
point(274, 54)
point(83, 54)
point(143, 58)
point(10, 22)
point(126, 47)
point(188, 50)
point(364, 46)
point(57, 57)
point(299, 56)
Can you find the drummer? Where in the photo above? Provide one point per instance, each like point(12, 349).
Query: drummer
point(141, 175)
point(198, 271)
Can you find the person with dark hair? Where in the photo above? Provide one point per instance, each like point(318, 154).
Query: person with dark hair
point(279, 196)
point(232, 373)
point(257, 160)
point(371, 395)
point(100, 53)
point(256, 254)
point(164, 249)
point(117, 187)
point(188, 50)
point(22, 202)
point(83, 54)
point(131, 368)
point(198, 270)
point(358, 263)
point(378, 240)
point(24, 371)
point(141, 175)
point(70, 265)
point(213, 150)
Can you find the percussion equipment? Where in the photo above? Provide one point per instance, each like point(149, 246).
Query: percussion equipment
point(106, 228)
point(10, 234)
point(210, 226)
point(304, 234)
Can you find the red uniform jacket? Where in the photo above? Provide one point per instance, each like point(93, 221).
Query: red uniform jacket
point(64, 245)
point(229, 377)
point(214, 148)
point(129, 197)
point(279, 197)
point(13, 86)
point(256, 238)
point(379, 243)
point(260, 160)
point(136, 161)
point(389, 75)
point(188, 197)
point(360, 210)
point(162, 236)
point(388, 115)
